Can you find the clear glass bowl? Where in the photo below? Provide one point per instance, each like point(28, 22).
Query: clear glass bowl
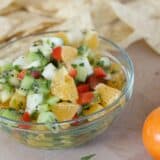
point(38, 135)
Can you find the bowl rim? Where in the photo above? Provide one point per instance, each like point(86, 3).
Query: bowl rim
point(127, 87)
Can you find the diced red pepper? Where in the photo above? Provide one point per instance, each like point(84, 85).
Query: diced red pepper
point(36, 74)
point(85, 98)
point(56, 53)
point(93, 81)
point(99, 72)
point(73, 72)
point(76, 123)
point(21, 74)
point(83, 88)
point(26, 117)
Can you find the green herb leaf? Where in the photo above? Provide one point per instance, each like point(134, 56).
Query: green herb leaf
point(89, 157)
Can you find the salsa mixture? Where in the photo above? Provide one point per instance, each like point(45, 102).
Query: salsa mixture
point(59, 78)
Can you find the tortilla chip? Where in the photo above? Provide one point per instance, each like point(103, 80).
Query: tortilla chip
point(27, 23)
point(109, 25)
point(9, 9)
point(144, 19)
point(6, 27)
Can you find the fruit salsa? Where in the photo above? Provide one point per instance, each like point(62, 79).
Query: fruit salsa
point(59, 78)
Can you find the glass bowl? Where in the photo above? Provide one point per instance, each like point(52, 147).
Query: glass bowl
point(61, 136)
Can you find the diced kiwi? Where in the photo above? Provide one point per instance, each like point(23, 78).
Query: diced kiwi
point(46, 117)
point(81, 74)
point(6, 93)
point(37, 57)
point(53, 100)
point(41, 86)
point(10, 114)
point(13, 80)
point(43, 108)
point(27, 82)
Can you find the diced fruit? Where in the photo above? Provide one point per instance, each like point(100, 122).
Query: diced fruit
point(83, 51)
point(63, 36)
point(13, 79)
point(65, 111)
point(91, 40)
point(53, 41)
point(104, 62)
point(33, 101)
point(18, 101)
point(26, 117)
point(57, 53)
point(36, 74)
point(93, 109)
point(63, 86)
point(21, 74)
point(46, 117)
point(27, 83)
point(43, 108)
point(35, 60)
point(83, 61)
point(85, 98)
point(31, 57)
point(4, 105)
point(99, 72)
point(108, 94)
point(46, 50)
point(6, 94)
point(49, 71)
point(41, 86)
point(34, 64)
point(20, 62)
point(68, 54)
point(53, 100)
point(115, 67)
point(93, 81)
point(76, 123)
point(81, 74)
point(10, 114)
point(83, 88)
point(73, 72)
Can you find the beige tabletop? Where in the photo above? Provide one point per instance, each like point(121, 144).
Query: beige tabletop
point(122, 141)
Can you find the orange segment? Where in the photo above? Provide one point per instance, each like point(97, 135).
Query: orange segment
point(93, 108)
point(63, 86)
point(68, 54)
point(65, 111)
point(17, 101)
point(108, 94)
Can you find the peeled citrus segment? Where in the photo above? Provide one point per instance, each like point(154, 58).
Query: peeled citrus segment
point(93, 109)
point(69, 54)
point(63, 36)
point(18, 101)
point(108, 94)
point(118, 76)
point(91, 40)
point(65, 111)
point(4, 105)
point(63, 86)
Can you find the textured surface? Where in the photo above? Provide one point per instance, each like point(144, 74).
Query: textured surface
point(122, 141)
